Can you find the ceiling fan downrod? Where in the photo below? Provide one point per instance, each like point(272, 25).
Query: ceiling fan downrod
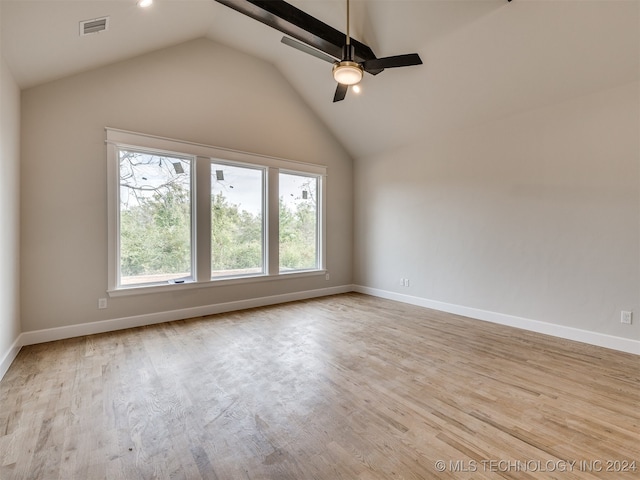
point(347, 72)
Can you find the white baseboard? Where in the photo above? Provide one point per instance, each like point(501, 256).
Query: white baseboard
point(10, 356)
point(569, 333)
point(70, 331)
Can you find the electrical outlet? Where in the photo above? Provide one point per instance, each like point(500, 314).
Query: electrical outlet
point(625, 317)
point(326, 277)
point(102, 303)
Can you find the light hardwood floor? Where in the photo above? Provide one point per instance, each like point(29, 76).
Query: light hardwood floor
point(342, 387)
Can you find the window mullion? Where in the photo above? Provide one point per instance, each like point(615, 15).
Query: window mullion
point(273, 221)
point(202, 219)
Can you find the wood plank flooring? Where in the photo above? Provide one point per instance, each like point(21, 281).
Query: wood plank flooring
point(341, 387)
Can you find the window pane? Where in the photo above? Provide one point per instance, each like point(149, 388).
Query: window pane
point(155, 218)
point(298, 222)
point(236, 220)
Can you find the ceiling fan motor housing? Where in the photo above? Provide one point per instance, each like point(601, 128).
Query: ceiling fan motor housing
point(348, 52)
point(346, 71)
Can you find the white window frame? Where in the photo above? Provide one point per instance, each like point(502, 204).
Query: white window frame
point(193, 163)
point(203, 156)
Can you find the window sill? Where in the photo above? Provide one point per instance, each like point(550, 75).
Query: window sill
point(175, 287)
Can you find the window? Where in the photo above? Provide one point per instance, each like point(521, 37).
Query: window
point(237, 228)
point(298, 218)
point(185, 215)
point(155, 217)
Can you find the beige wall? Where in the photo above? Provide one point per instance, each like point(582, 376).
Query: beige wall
point(199, 91)
point(9, 213)
point(535, 216)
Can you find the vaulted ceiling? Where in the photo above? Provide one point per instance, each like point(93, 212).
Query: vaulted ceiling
point(483, 59)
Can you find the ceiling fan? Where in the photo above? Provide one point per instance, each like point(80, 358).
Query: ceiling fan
point(349, 57)
point(347, 71)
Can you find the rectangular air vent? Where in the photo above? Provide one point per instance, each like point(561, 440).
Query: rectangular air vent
point(97, 25)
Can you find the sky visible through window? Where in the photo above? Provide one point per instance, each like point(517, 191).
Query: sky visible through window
point(142, 175)
point(238, 190)
point(153, 171)
point(238, 185)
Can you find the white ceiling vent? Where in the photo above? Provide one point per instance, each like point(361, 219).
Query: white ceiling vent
point(97, 25)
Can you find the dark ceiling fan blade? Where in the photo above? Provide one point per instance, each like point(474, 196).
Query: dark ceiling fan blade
point(406, 60)
point(341, 92)
point(295, 23)
point(307, 49)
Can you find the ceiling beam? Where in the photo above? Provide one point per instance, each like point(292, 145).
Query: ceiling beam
point(295, 23)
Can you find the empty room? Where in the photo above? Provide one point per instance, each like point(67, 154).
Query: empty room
point(320, 239)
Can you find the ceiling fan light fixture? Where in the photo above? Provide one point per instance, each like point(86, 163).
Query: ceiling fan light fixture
point(347, 72)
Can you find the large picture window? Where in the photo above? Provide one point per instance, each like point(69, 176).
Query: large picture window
point(184, 215)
